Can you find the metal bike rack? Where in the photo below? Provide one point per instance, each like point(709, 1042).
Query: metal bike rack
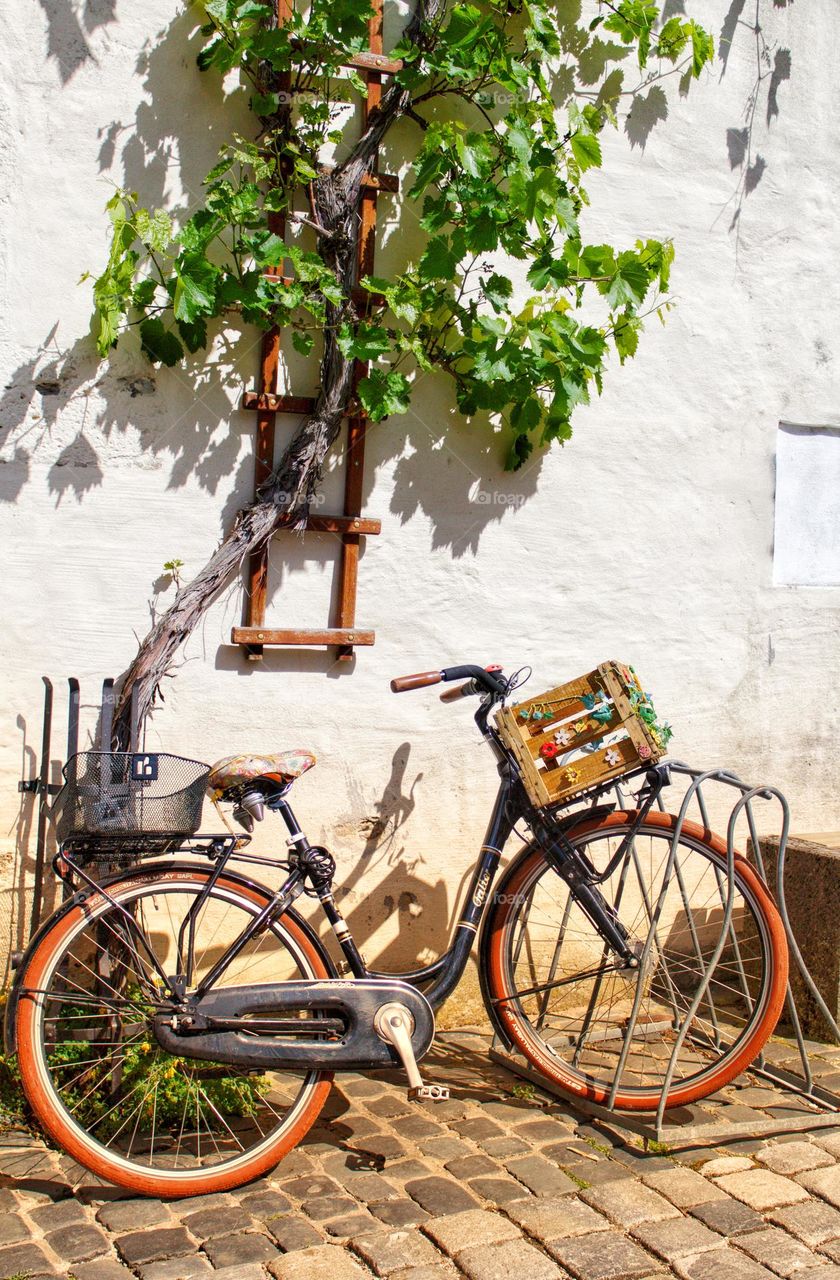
point(823, 1104)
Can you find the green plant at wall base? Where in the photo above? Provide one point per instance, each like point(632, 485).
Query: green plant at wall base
point(509, 100)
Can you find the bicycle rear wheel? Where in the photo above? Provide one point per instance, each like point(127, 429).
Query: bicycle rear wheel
point(96, 1078)
point(564, 1000)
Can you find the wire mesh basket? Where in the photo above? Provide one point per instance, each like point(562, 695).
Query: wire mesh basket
point(120, 795)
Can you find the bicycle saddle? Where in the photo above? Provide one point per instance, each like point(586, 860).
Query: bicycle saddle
point(233, 772)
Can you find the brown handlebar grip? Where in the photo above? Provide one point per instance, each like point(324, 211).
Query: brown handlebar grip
point(455, 695)
point(401, 684)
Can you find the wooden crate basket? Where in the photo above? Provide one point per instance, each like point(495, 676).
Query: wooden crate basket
point(583, 734)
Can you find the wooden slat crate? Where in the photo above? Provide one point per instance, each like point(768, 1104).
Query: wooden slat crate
point(582, 734)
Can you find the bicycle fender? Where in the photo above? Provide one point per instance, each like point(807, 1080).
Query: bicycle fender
point(565, 825)
point(131, 873)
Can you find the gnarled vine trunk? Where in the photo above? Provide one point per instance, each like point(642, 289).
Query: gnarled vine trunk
point(283, 502)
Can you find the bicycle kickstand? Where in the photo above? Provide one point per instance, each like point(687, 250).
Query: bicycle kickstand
point(394, 1023)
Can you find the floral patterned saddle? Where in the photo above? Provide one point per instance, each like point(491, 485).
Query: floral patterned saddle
point(228, 776)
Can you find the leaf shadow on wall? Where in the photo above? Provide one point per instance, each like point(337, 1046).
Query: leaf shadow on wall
point(746, 27)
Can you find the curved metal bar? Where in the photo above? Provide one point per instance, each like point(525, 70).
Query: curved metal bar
point(654, 919)
point(745, 799)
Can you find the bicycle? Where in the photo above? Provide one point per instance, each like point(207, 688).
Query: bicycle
point(177, 1024)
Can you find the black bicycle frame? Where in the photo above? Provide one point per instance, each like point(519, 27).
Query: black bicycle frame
point(439, 979)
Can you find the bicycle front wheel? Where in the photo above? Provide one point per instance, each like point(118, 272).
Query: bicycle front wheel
point(566, 1002)
point(96, 1078)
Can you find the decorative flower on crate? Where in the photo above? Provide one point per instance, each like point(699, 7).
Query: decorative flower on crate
point(563, 737)
point(549, 751)
point(643, 706)
point(644, 751)
point(612, 757)
point(571, 776)
point(581, 726)
point(598, 704)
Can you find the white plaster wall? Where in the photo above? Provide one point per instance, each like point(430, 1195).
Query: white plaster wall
point(649, 537)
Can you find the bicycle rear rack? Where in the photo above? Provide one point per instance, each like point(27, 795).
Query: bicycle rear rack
point(706, 1120)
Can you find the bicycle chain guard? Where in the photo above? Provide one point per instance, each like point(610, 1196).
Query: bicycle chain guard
point(217, 1027)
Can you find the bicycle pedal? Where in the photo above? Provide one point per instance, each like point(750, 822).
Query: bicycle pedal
point(429, 1093)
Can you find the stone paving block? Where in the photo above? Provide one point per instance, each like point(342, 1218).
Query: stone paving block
point(266, 1204)
point(541, 1132)
point(132, 1215)
point(557, 1219)
point(59, 1213)
point(813, 1222)
point(231, 1251)
point(721, 1264)
point(629, 1202)
point(18, 1259)
point(477, 1127)
point(293, 1233)
point(352, 1224)
point(830, 1272)
point(209, 1223)
point(153, 1245)
point(328, 1207)
point(370, 1187)
point(196, 1204)
point(389, 1106)
point(418, 1126)
point(794, 1157)
point(594, 1173)
point(78, 1243)
point(447, 1148)
point(309, 1188)
point(503, 1147)
point(499, 1191)
point(404, 1170)
point(829, 1142)
point(472, 1166)
point(363, 1087)
point(831, 1249)
point(676, 1237)
point(389, 1251)
point(458, 1231)
point(195, 1267)
point(399, 1213)
point(824, 1183)
point(12, 1229)
point(441, 1195)
point(322, 1261)
point(541, 1176)
point(729, 1217)
point(295, 1165)
point(719, 1165)
point(683, 1187)
point(501, 1261)
point(102, 1269)
point(761, 1189)
point(608, 1255)
point(776, 1250)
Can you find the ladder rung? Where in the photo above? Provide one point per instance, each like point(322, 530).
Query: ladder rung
point(286, 404)
point(342, 524)
point(328, 636)
point(376, 62)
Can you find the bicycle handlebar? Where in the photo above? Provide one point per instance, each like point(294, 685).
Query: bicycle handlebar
point(486, 679)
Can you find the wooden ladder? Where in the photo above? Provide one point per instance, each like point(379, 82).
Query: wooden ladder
point(351, 526)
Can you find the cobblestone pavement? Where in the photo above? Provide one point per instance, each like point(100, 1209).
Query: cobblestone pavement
point(491, 1185)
